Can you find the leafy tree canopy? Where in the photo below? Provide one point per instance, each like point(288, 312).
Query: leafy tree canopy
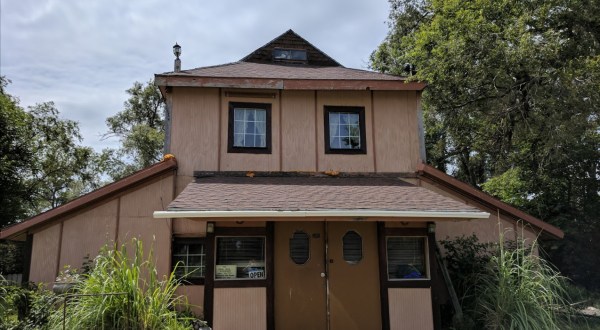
point(140, 128)
point(512, 104)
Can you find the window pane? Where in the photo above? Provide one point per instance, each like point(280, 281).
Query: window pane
point(299, 247)
point(240, 258)
point(249, 125)
point(299, 55)
point(352, 246)
point(344, 130)
point(188, 259)
point(406, 258)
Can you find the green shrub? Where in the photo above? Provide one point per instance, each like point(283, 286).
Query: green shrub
point(506, 286)
point(122, 292)
point(24, 307)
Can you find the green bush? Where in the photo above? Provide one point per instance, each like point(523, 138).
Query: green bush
point(122, 292)
point(24, 307)
point(506, 287)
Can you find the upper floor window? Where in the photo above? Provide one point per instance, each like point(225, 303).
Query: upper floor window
point(345, 130)
point(249, 127)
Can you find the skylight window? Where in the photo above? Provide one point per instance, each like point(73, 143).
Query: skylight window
point(289, 55)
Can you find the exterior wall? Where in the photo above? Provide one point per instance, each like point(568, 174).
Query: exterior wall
point(410, 308)
point(117, 219)
point(486, 230)
point(81, 237)
point(44, 254)
point(200, 119)
point(249, 304)
point(194, 295)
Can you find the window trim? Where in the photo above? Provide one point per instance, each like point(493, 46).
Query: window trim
point(191, 240)
point(361, 124)
point(230, 128)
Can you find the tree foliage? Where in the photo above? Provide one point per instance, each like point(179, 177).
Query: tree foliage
point(512, 104)
point(140, 128)
point(42, 164)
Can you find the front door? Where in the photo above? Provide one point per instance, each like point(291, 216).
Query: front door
point(326, 276)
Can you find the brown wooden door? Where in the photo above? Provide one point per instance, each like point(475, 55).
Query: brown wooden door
point(354, 300)
point(332, 290)
point(300, 289)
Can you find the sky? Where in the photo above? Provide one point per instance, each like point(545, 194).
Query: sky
point(84, 55)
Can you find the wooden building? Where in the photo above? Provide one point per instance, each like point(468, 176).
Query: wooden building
point(299, 198)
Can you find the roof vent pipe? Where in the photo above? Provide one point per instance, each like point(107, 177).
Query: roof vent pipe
point(177, 52)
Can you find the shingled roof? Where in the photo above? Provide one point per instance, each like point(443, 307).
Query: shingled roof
point(306, 195)
point(259, 70)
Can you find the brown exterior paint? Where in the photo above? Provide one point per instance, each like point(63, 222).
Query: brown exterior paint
point(300, 292)
point(354, 288)
point(431, 174)
point(410, 308)
point(297, 135)
point(88, 200)
point(44, 255)
point(240, 308)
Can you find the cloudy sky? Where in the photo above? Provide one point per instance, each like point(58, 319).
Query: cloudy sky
point(83, 55)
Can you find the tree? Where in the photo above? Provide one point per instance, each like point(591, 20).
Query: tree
point(41, 163)
point(512, 105)
point(140, 128)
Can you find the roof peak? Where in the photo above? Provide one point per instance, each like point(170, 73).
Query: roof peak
point(290, 40)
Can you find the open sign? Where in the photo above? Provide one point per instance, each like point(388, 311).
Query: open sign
point(256, 274)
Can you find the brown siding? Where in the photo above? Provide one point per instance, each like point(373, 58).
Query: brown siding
point(396, 138)
point(194, 295)
point(136, 220)
point(298, 143)
point(189, 227)
point(194, 132)
point(85, 233)
point(240, 308)
point(44, 254)
point(410, 309)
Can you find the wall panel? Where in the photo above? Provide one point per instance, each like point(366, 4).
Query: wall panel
point(240, 308)
point(298, 143)
point(410, 308)
point(44, 254)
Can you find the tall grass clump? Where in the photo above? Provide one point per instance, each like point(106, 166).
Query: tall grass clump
point(123, 291)
point(520, 291)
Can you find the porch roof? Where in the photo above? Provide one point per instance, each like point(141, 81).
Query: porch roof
point(312, 196)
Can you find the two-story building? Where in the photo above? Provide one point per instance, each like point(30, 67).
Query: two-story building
point(299, 198)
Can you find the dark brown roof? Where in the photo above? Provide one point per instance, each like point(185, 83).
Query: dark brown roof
point(226, 193)
point(92, 197)
point(433, 174)
point(290, 40)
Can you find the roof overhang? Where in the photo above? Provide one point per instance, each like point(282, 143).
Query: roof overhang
point(164, 81)
point(376, 214)
point(434, 175)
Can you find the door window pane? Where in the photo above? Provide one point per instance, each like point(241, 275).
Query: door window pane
point(240, 258)
point(299, 247)
point(352, 247)
point(406, 258)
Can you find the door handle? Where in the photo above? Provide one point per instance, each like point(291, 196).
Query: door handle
point(323, 275)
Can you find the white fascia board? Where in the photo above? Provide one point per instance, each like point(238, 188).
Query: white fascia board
point(322, 213)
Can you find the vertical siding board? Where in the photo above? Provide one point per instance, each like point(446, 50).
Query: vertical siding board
point(298, 137)
point(45, 244)
point(195, 137)
point(410, 308)
point(248, 305)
